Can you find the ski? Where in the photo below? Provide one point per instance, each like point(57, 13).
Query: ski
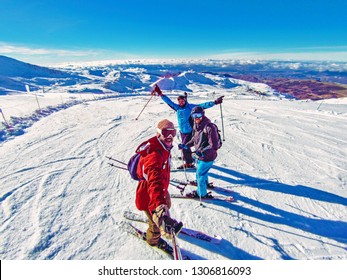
point(216, 239)
point(180, 187)
point(167, 249)
point(184, 183)
point(210, 186)
point(188, 169)
point(176, 157)
point(215, 197)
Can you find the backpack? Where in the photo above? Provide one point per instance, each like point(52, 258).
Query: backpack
point(132, 166)
point(133, 163)
point(219, 137)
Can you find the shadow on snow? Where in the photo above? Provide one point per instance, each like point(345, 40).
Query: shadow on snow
point(336, 230)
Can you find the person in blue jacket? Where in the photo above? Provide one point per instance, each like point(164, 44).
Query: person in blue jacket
point(185, 123)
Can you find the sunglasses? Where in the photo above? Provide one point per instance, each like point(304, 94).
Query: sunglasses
point(167, 132)
point(197, 115)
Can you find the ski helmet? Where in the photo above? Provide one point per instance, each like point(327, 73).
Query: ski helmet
point(197, 109)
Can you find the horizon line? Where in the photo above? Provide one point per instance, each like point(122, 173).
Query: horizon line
point(57, 57)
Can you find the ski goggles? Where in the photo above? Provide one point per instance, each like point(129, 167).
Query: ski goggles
point(197, 115)
point(167, 132)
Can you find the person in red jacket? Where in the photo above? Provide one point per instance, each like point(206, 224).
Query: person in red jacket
point(152, 194)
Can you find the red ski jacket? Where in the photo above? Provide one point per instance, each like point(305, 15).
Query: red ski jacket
point(154, 167)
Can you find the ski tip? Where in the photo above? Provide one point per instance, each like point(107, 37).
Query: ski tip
point(217, 239)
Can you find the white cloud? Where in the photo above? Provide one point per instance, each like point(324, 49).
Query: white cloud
point(9, 49)
point(314, 53)
point(325, 48)
point(46, 56)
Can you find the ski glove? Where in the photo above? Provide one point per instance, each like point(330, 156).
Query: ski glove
point(198, 155)
point(157, 90)
point(219, 100)
point(167, 225)
point(182, 146)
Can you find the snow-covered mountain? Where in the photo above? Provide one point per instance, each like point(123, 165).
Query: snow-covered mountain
point(120, 78)
point(136, 77)
point(14, 75)
point(14, 68)
point(284, 160)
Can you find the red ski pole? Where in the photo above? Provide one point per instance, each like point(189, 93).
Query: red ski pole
point(146, 104)
point(177, 251)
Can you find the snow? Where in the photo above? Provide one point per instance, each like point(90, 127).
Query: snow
point(285, 160)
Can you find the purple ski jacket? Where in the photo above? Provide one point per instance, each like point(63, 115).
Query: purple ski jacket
point(205, 139)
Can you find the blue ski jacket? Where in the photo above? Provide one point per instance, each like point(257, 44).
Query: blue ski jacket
point(183, 113)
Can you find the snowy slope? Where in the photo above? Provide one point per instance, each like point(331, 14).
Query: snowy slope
point(15, 74)
point(284, 160)
point(15, 68)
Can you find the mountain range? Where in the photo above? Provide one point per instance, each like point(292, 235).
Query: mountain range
point(301, 80)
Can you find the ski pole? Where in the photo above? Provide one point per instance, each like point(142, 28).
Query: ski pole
point(120, 167)
point(221, 115)
point(177, 250)
point(198, 179)
point(320, 104)
point(111, 158)
point(7, 125)
point(144, 107)
point(184, 167)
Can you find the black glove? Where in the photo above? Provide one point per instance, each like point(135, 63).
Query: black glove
point(198, 155)
point(219, 100)
point(167, 225)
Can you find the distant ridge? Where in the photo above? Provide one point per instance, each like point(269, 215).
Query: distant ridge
point(15, 74)
point(301, 80)
point(11, 67)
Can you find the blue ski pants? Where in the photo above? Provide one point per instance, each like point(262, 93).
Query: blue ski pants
point(202, 169)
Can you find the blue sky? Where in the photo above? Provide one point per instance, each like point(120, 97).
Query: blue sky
point(46, 31)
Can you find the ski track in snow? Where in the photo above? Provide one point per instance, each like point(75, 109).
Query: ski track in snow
point(285, 161)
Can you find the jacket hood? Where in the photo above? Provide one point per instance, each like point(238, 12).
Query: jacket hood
point(150, 145)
